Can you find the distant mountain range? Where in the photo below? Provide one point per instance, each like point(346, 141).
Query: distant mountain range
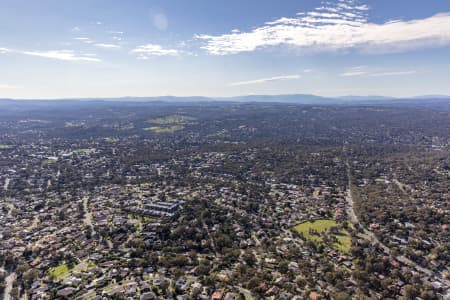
point(292, 98)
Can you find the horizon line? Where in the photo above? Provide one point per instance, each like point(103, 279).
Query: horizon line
point(341, 97)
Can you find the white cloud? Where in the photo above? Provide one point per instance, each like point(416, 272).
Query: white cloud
point(68, 55)
point(145, 51)
point(353, 73)
point(115, 32)
point(363, 71)
point(264, 80)
point(397, 73)
point(101, 45)
point(5, 50)
point(334, 27)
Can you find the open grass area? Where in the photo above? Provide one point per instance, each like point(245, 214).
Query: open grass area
point(173, 119)
point(49, 161)
point(84, 266)
point(4, 147)
point(166, 129)
point(83, 151)
point(149, 219)
point(111, 140)
point(321, 226)
point(60, 272)
point(170, 124)
point(345, 242)
point(318, 225)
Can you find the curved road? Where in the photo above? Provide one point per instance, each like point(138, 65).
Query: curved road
point(370, 236)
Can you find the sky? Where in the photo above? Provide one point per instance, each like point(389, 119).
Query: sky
point(116, 48)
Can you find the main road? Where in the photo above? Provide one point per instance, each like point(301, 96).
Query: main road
point(370, 236)
point(6, 185)
point(9, 280)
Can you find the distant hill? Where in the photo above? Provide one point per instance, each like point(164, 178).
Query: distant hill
point(294, 98)
point(20, 104)
point(365, 98)
point(432, 97)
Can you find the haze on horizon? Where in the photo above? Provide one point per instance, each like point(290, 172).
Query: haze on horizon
point(69, 49)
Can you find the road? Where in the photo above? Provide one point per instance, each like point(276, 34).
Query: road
point(213, 244)
point(10, 210)
point(9, 285)
point(407, 261)
point(349, 207)
point(6, 185)
point(87, 214)
point(401, 186)
point(370, 236)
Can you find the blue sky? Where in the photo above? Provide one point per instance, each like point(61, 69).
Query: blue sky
point(113, 48)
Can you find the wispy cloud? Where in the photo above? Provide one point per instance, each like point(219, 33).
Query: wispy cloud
point(101, 45)
point(353, 73)
point(264, 80)
point(68, 55)
point(397, 73)
point(85, 40)
point(5, 50)
point(9, 87)
point(116, 35)
point(363, 71)
point(332, 27)
point(148, 50)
